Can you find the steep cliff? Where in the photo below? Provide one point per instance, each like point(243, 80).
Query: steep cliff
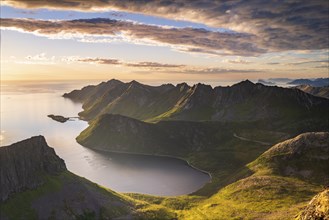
point(24, 164)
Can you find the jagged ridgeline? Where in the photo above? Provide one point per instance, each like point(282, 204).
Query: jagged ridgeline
point(244, 101)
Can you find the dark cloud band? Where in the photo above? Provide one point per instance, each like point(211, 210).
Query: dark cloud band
point(281, 24)
point(185, 39)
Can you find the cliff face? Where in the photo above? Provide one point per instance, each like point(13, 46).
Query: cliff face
point(23, 164)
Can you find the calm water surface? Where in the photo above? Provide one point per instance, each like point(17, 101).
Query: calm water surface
point(24, 114)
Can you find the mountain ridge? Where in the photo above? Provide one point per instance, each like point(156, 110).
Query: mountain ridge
point(200, 102)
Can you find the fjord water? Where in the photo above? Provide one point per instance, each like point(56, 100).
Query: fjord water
point(24, 114)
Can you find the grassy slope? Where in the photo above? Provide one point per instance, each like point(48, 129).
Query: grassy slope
point(268, 192)
point(264, 193)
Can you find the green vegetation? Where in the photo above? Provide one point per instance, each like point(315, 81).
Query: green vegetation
point(23, 201)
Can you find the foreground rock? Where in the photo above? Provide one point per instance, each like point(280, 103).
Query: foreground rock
point(23, 165)
point(58, 118)
point(318, 208)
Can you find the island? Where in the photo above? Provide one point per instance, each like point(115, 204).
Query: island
point(58, 118)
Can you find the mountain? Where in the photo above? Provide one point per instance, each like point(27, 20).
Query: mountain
point(277, 185)
point(35, 184)
point(316, 91)
point(319, 82)
point(240, 102)
point(120, 133)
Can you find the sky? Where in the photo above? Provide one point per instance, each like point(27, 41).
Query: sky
point(160, 41)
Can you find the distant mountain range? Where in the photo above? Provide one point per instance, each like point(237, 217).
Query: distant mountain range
point(318, 82)
point(244, 101)
point(316, 91)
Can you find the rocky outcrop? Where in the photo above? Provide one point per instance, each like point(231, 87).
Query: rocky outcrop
point(305, 156)
point(23, 165)
point(318, 208)
point(58, 118)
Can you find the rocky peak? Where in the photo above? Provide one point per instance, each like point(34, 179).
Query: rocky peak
point(24, 164)
point(246, 83)
point(182, 86)
point(135, 83)
point(201, 86)
point(114, 82)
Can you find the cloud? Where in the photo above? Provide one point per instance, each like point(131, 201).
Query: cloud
point(144, 64)
point(154, 65)
point(161, 67)
point(38, 59)
point(100, 61)
point(311, 62)
point(322, 62)
point(237, 61)
point(184, 39)
point(218, 71)
point(282, 25)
